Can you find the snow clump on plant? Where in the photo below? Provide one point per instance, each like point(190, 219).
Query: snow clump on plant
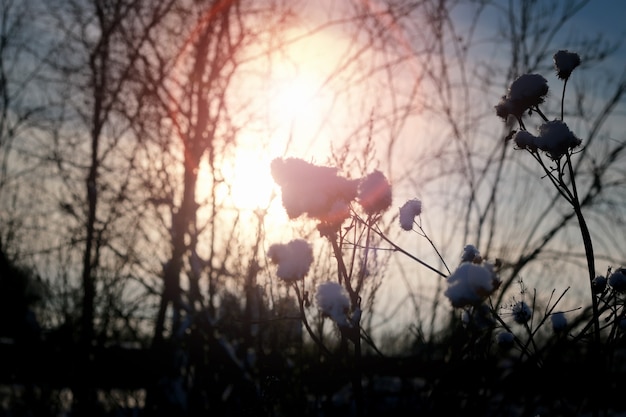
point(505, 340)
point(471, 283)
point(565, 62)
point(313, 190)
point(617, 280)
point(525, 92)
point(293, 259)
point(322, 194)
point(333, 301)
point(375, 193)
point(471, 254)
point(408, 212)
point(555, 138)
point(521, 312)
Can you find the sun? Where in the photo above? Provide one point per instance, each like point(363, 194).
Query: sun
point(249, 180)
point(294, 98)
point(285, 103)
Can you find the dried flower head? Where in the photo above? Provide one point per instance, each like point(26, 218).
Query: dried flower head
point(556, 139)
point(408, 212)
point(471, 284)
point(526, 91)
point(521, 312)
point(470, 254)
point(293, 259)
point(525, 140)
point(375, 193)
point(617, 280)
point(313, 190)
point(332, 300)
point(505, 340)
point(599, 284)
point(565, 62)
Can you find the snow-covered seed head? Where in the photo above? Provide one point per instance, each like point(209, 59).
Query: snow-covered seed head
point(374, 193)
point(471, 283)
point(598, 284)
point(293, 259)
point(525, 140)
point(617, 280)
point(565, 62)
point(505, 340)
point(526, 91)
point(556, 139)
point(333, 301)
point(408, 212)
point(470, 254)
point(521, 312)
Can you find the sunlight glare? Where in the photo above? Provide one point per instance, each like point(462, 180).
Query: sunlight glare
point(251, 183)
point(293, 99)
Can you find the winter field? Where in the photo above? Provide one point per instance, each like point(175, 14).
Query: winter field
point(281, 207)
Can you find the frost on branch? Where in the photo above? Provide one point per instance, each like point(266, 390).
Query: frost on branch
point(333, 301)
point(293, 259)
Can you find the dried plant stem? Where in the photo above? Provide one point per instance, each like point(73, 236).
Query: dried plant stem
point(586, 235)
point(305, 321)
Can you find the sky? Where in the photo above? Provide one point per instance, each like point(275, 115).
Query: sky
point(302, 125)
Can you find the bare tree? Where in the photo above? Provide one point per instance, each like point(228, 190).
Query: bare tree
point(101, 48)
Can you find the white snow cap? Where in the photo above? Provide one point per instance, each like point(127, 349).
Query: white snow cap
point(565, 62)
point(470, 253)
point(529, 87)
point(313, 190)
point(555, 138)
point(408, 212)
point(526, 91)
point(471, 283)
point(294, 259)
point(375, 193)
point(333, 301)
